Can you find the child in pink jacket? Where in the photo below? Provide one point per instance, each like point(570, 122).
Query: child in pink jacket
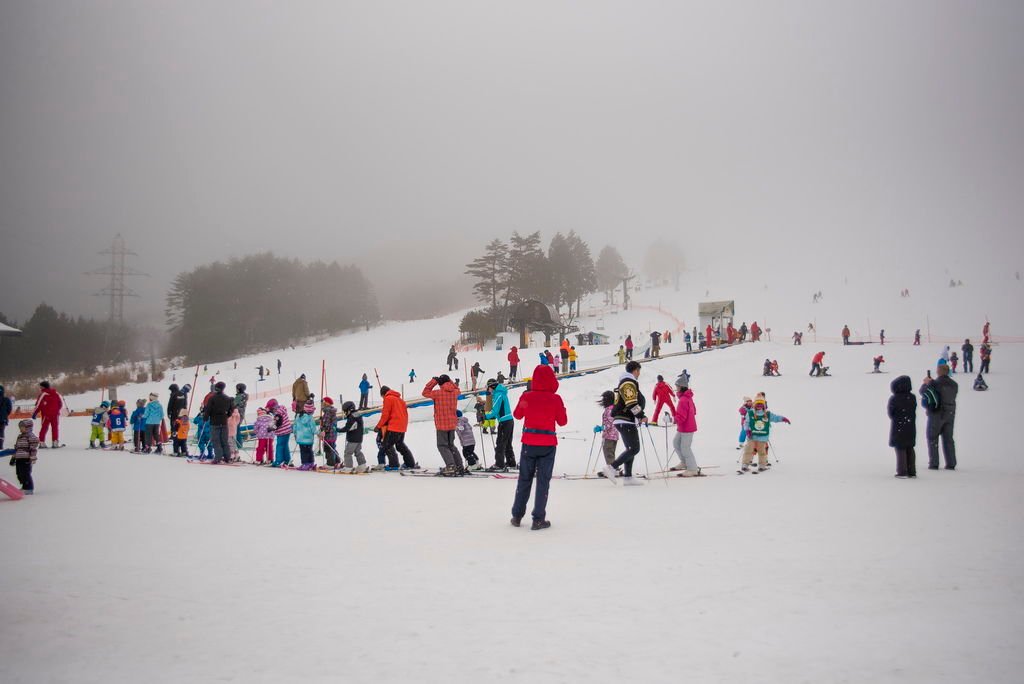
point(686, 426)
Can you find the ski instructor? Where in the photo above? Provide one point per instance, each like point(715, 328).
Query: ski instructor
point(540, 408)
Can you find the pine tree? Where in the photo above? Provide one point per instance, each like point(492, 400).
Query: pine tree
point(610, 270)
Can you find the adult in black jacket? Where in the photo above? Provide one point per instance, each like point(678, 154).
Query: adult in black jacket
point(968, 351)
point(940, 420)
point(218, 408)
point(177, 401)
point(903, 429)
point(627, 414)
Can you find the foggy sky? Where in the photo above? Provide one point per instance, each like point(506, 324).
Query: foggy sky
point(404, 135)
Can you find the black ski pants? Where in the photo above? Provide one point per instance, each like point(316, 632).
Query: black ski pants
point(906, 462)
point(23, 469)
point(504, 454)
point(394, 444)
point(630, 436)
point(968, 363)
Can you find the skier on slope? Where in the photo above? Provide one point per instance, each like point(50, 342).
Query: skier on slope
point(759, 423)
point(878, 361)
point(364, 392)
point(474, 373)
point(846, 334)
point(394, 421)
point(453, 359)
point(755, 332)
point(816, 364)
point(501, 411)
point(746, 406)
point(628, 414)
point(663, 397)
point(48, 404)
point(629, 347)
point(446, 399)
point(686, 426)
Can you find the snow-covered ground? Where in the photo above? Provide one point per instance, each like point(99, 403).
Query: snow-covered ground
point(129, 567)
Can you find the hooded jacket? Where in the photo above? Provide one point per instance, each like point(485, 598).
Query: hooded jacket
point(446, 403)
point(329, 422)
point(154, 412)
point(686, 412)
point(305, 429)
point(464, 430)
point(282, 423)
point(394, 416)
point(902, 414)
point(513, 357)
point(177, 400)
point(501, 408)
point(300, 390)
point(540, 408)
point(264, 426)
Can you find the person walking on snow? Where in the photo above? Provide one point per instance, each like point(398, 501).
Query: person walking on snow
point(755, 332)
point(686, 426)
point(48, 405)
point(846, 334)
point(453, 359)
point(513, 364)
point(541, 410)
point(902, 412)
point(917, 337)
point(364, 393)
point(621, 354)
point(759, 424)
point(663, 397)
point(446, 399)
point(985, 352)
point(881, 337)
point(501, 411)
point(412, 376)
point(628, 414)
point(939, 397)
point(629, 347)
point(968, 351)
point(26, 445)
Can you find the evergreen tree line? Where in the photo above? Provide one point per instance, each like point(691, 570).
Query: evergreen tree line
point(225, 309)
point(519, 269)
point(53, 343)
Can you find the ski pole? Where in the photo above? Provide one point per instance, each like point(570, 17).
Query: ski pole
point(483, 446)
point(654, 448)
point(591, 455)
point(774, 453)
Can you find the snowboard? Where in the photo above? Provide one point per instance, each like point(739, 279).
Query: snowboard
point(10, 490)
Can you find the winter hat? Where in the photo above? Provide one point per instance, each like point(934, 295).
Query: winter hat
point(458, 414)
point(140, 402)
point(272, 404)
point(260, 411)
point(45, 384)
point(328, 401)
point(183, 412)
point(348, 406)
point(173, 388)
point(942, 362)
point(26, 423)
point(153, 396)
point(443, 378)
point(492, 383)
point(104, 404)
point(240, 387)
point(121, 402)
point(760, 402)
point(683, 381)
point(309, 407)
point(747, 400)
point(219, 386)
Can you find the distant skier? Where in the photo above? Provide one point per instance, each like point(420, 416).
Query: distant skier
point(766, 369)
point(878, 361)
point(364, 392)
point(881, 337)
point(846, 334)
point(709, 335)
point(902, 412)
point(747, 405)
point(986, 356)
point(453, 359)
point(775, 368)
point(917, 337)
point(573, 356)
point(474, 374)
point(953, 361)
point(513, 364)
point(755, 332)
point(279, 366)
point(688, 340)
point(655, 344)
point(743, 331)
point(629, 347)
point(412, 376)
point(968, 351)
point(798, 338)
point(621, 354)
point(663, 397)
point(979, 384)
point(261, 371)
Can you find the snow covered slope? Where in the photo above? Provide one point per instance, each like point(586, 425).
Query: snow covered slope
point(826, 569)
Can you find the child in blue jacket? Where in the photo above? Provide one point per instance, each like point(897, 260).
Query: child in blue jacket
point(203, 436)
point(138, 421)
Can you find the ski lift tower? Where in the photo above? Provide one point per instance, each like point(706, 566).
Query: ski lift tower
point(532, 315)
point(718, 315)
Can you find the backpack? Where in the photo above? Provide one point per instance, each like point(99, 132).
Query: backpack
point(930, 399)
